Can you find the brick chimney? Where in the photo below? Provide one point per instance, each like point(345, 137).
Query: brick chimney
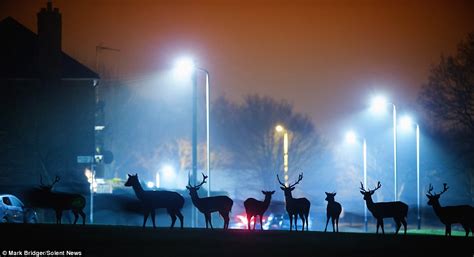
point(49, 44)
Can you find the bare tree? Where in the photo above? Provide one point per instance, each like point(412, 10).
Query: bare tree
point(247, 131)
point(448, 102)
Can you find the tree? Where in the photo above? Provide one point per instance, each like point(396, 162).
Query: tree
point(247, 131)
point(448, 102)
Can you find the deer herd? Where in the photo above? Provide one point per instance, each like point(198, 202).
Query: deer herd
point(173, 202)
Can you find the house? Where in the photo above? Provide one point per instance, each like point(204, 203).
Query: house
point(47, 104)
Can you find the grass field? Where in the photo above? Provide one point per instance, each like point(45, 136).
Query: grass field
point(95, 240)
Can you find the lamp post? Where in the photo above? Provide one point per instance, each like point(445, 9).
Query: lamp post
point(378, 104)
point(186, 66)
point(351, 138)
point(407, 122)
point(280, 128)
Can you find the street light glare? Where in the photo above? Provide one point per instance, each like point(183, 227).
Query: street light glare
point(351, 137)
point(406, 122)
point(184, 67)
point(378, 104)
point(279, 128)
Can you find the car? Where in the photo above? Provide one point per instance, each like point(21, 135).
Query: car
point(12, 210)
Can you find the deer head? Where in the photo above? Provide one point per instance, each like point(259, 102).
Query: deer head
point(330, 196)
point(195, 188)
point(368, 193)
point(434, 198)
point(50, 186)
point(268, 193)
point(132, 180)
point(291, 187)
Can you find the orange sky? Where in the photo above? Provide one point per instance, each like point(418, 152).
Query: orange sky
point(324, 56)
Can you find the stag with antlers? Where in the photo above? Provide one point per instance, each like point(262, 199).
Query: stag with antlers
point(396, 210)
point(448, 215)
point(208, 205)
point(295, 206)
point(45, 197)
point(151, 200)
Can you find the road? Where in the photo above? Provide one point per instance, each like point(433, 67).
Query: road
point(102, 240)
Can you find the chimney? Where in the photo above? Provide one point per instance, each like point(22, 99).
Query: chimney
point(49, 44)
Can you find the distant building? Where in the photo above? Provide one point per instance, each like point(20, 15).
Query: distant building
point(47, 104)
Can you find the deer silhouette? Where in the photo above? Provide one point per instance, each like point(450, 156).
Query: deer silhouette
point(295, 206)
point(396, 210)
point(45, 197)
point(208, 205)
point(151, 200)
point(463, 214)
point(254, 207)
point(333, 210)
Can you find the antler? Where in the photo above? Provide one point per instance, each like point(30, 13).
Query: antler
point(204, 177)
point(445, 188)
point(300, 177)
point(280, 181)
point(378, 186)
point(56, 180)
point(362, 187)
point(430, 189)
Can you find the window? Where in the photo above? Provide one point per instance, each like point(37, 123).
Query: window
point(6, 201)
point(16, 202)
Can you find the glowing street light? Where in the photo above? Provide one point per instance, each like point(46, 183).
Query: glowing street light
point(406, 123)
point(185, 67)
point(378, 105)
point(281, 129)
point(351, 138)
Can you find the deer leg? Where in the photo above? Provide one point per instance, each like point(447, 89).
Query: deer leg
point(249, 217)
point(381, 224)
point(404, 222)
point(76, 216)
point(303, 221)
point(261, 223)
point(337, 224)
point(59, 215)
point(172, 214)
point(83, 215)
point(307, 223)
point(296, 222)
point(448, 230)
point(145, 217)
point(291, 221)
point(180, 217)
point(152, 214)
point(327, 222)
point(225, 216)
point(333, 227)
point(397, 221)
point(378, 225)
point(254, 221)
point(466, 228)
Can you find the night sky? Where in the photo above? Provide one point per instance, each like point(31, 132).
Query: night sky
point(326, 57)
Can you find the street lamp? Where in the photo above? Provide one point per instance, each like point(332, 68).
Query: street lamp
point(378, 104)
point(406, 122)
point(281, 129)
point(185, 67)
point(351, 138)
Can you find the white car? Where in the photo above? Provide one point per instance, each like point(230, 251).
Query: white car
point(12, 210)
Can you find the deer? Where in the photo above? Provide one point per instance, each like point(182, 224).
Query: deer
point(173, 202)
point(295, 206)
point(255, 208)
point(45, 197)
point(448, 215)
point(208, 205)
point(397, 210)
point(333, 211)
